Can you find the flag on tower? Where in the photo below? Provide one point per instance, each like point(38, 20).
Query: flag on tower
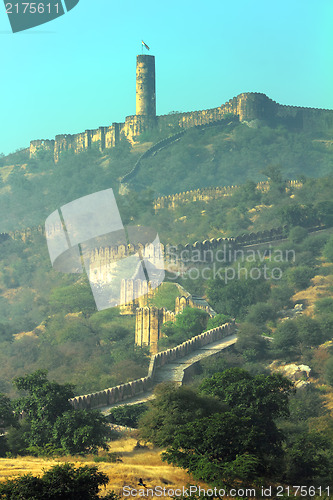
point(143, 43)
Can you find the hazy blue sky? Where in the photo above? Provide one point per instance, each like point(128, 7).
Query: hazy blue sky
point(78, 71)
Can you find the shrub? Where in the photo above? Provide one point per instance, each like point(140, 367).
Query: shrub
point(297, 234)
point(250, 342)
point(127, 415)
point(260, 313)
point(285, 338)
point(299, 277)
point(328, 250)
point(61, 481)
point(324, 305)
point(309, 331)
point(328, 372)
point(217, 320)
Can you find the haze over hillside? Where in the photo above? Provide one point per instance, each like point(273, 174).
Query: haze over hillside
point(227, 154)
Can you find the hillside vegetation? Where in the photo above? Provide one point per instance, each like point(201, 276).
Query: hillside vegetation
point(49, 319)
point(280, 296)
point(228, 154)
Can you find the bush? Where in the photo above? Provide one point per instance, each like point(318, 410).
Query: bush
point(306, 460)
point(81, 431)
point(323, 306)
point(299, 277)
point(60, 482)
point(285, 338)
point(189, 323)
point(217, 320)
point(281, 295)
point(306, 403)
point(326, 322)
point(250, 342)
point(328, 250)
point(260, 313)
point(309, 331)
point(328, 372)
point(297, 234)
point(112, 457)
point(128, 415)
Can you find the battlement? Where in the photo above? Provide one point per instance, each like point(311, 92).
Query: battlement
point(247, 107)
point(129, 390)
point(210, 193)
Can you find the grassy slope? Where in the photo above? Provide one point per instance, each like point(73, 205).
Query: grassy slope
point(144, 463)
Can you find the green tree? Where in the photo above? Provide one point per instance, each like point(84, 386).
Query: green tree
point(189, 323)
point(171, 409)
point(44, 403)
point(298, 215)
point(127, 415)
point(50, 419)
point(328, 250)
point(309, 331)
point(210, 447)
point(300, 276)
point(241, 440)
point(217, 320)
point(261, 396)
point(250, 342)
point(324, 305)
point(277, 185)
point(73, 298)
point(325, 212)
point(81, 431)
point(62, 481)
point(307, 459)
point(261, 312)
point(286, 338)
point(234, 297)
point(7, 417)
point(328, 373)
point(306, 403)
point(297, 234)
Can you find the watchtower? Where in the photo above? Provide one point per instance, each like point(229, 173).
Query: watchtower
point(145, 86)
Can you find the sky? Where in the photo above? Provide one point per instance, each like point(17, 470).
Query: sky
point(77, 72)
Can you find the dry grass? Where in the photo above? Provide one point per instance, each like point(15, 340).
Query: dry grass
point(145, 463)
point(141, 147)
point(6, 171)
point(319, 288)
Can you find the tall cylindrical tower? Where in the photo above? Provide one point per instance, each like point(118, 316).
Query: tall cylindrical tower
point(145, 86)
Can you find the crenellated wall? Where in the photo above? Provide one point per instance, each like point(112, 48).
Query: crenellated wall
point(101, 256)
point(42, 144)
point(134, 294)
point(246, 106)
point(207, 194)
point(123, 392)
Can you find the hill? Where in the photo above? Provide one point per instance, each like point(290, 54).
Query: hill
point(226, 154)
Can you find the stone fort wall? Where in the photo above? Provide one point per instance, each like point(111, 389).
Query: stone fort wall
point(210, 193)
point(148, 326)
point(123, 392)
point(170, 201)
point(101, 256)
point(149, 319)
point(246, 106)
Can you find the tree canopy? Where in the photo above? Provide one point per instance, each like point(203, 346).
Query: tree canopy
point(49, 420)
